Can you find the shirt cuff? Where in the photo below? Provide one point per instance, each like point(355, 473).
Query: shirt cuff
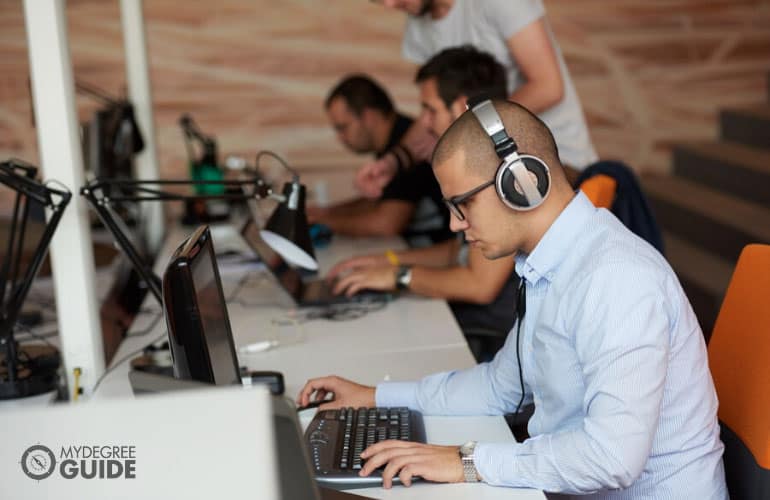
point(396, 394)
point(496, 463)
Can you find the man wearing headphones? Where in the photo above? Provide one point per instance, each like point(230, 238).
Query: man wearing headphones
point(366, 121)
point(517, 34)
point(606, 341)
point(481, 292)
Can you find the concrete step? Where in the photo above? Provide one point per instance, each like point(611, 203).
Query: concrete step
point(749, 126)
point(703, 275)
point(705, 217)
point(729, 167)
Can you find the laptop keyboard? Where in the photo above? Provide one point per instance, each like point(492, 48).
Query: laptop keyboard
point(336, 439)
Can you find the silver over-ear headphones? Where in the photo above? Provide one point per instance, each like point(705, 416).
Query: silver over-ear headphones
point(522, 181)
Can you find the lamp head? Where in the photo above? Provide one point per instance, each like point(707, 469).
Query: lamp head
point(287, 230)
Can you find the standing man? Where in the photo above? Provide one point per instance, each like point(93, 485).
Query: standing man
point(481, 292)
point(517, 34)
point(366, 121)
point(607, 343)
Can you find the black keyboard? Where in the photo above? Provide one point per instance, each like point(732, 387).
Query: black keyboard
point(336, 439)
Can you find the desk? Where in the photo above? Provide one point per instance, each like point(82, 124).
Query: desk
point(409, 338)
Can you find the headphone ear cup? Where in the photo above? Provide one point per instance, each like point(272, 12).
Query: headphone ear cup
point(505, 182)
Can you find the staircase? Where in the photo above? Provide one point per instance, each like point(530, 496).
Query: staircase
point(716, 201)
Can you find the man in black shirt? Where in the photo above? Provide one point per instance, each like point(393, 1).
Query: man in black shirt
point(480, 291)
point(366, 121)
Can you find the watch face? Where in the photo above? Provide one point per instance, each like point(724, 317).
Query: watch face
point(467, 448)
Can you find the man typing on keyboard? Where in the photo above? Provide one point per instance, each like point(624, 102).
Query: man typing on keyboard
point(605, 344)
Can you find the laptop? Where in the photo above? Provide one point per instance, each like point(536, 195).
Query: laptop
point(308, 293)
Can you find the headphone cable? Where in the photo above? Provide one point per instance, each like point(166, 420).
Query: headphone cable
point(521, 308)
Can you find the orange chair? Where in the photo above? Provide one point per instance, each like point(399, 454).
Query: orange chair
point(739, 358)
point(600, 189)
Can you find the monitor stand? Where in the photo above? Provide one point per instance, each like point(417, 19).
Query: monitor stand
point(158, 364)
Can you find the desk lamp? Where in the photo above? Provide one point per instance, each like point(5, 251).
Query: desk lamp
point(286, 231)
point(32, 369)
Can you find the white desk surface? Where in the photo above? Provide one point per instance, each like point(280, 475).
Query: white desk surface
point(409, 338)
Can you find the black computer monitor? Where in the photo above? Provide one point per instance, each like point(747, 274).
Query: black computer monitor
point(110, 140)
point(196, 314)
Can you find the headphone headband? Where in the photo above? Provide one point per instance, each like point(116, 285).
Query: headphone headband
point(490, 120)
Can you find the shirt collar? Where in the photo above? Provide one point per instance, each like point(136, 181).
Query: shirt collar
point(557, 241)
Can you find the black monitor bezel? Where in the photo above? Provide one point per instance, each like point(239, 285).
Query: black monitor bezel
point(186, 333)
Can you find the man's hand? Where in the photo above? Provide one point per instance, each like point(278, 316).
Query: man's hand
point(346, 393)
point(407, 459)
point(372, 278)
point(354, 263)
point(373, 176)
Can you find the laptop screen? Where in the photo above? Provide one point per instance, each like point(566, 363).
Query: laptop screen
point(289, 278)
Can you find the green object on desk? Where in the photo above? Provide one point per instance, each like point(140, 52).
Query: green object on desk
point(207, 172)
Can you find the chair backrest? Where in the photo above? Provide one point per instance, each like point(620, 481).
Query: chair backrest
point(739, 358)
point(600, 189)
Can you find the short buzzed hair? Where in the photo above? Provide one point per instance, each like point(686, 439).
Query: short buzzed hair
point(464, 71)
point(466, 133)
point(361, 92)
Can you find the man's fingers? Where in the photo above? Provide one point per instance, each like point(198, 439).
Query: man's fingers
point(313, 385)
point(343, 284)
point(385, 445)
point(320, 394)
point(395, 465)
point(354, 289)
point(381, 453)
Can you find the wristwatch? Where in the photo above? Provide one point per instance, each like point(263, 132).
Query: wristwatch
point(403, 277)
point(469, 467)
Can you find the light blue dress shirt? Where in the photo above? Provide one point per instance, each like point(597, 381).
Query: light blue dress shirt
point(615, 362)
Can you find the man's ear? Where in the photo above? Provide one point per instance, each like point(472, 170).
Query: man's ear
point(459, 106)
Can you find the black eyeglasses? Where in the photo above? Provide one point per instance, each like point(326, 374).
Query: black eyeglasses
point(453, 203)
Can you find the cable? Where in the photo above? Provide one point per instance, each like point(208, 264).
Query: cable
point(148, 328)
point(238, 287)
point(521, 308)
point(124, 359)
point(266, 152)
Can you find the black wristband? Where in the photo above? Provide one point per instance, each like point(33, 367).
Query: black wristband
point(399, 163)
point(403, 156)
point(409, 158)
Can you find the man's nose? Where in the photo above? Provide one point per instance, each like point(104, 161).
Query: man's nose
point(456, 225)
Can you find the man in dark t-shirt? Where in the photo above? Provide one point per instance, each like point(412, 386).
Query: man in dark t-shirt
point(481, 292)
point(366, 121)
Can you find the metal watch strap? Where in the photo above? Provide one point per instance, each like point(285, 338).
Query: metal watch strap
point(403, 277)
point(469, 466)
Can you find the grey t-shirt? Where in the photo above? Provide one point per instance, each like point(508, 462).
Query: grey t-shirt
point(487, 25)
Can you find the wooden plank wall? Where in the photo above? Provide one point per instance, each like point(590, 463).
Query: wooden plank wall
point(255, 72)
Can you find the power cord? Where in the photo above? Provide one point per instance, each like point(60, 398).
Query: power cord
point(148, 328)
point(126, 358)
